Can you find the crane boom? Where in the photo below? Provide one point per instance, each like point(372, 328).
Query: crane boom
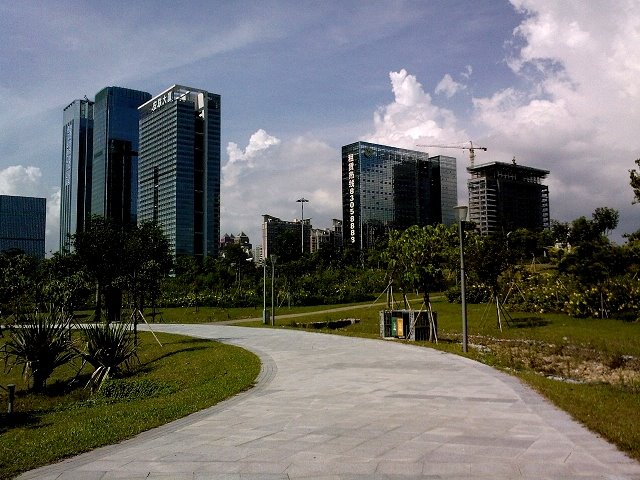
point(471, 148)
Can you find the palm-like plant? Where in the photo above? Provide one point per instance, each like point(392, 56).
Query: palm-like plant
point(40, 343)
point(108, 348)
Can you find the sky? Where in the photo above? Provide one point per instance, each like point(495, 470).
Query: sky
point(553, 84)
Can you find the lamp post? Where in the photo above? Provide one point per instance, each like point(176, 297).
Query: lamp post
point(461, 214)
point(302, 201)
point(273, 282)
point(264, 290)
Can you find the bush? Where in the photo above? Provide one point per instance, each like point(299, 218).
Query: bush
point(40, 343)
point(108, 348)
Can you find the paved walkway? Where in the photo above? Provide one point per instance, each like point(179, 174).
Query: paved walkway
point(332, 407)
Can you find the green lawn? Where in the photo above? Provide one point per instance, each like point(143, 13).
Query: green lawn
point(182, 377)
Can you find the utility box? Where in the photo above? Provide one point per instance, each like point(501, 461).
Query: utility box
point(408, 324)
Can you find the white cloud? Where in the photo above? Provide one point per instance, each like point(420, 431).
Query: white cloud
point(412, 118)
point(20, 180)
point(449, 86)
point(268, 175)
point(578, 114)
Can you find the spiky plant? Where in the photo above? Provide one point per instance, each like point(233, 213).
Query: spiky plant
point(109, 348)
point(40, 342)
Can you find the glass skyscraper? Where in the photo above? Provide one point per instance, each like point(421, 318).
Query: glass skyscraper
point(77, 151)
point(386, 188)
point(114, 191)
point(179, 174)
point(23, 224)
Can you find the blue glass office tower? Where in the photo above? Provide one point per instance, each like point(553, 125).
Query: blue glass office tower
point(77, 151)
point(179, 174)
point(385, 188)
point(22, 224)
point(114, 191)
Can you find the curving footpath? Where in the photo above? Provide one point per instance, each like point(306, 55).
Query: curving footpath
point(332, 407)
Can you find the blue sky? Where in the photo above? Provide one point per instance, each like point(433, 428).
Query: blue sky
point(554, 84)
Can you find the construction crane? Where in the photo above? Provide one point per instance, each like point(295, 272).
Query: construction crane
point(471, 148)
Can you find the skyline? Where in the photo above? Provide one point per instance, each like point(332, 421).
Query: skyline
point(552, 84)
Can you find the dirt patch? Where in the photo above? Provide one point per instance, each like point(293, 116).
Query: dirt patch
point(565, 361)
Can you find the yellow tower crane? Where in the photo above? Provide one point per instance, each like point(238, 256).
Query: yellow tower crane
point(471, 148)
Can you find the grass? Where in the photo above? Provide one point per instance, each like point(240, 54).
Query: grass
point(588, 367)
point(182, 377)
point(191, 315)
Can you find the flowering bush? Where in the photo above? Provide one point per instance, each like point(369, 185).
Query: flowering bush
point(553, 292)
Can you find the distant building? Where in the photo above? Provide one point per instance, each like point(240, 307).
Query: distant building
point(179, 170)
point(241, 239)
point(114, 191)
point(386, 188)
point(273, 228)
point(77, 153)
point(507, 196)
point(331, 236)
point(22, 224)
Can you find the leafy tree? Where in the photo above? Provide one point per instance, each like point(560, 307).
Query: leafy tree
point(605, 219)
point(634, 181)
point(100, 250)
point(418, 256)
point(18, 280)
point(66, 283)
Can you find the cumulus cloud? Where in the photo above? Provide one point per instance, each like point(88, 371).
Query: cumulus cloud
point(448, 86)
point(578, 114)
point(412, 118)
point(269, 174)
point(20, 180)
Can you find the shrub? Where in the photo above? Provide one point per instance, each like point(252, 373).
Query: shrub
point(109, 347)
point(40, 343)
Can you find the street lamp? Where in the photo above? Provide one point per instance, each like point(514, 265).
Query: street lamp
point(264, 290)
point(461, 215)
point(302, 201)
point(273, 281)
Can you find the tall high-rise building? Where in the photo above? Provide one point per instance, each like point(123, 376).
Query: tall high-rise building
point(114, 191)
point(507, 196)
point(179, 171)
point(385, 188)
point(22, 224)
point(77, 151)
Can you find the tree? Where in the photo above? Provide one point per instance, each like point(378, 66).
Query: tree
point(634, 181)
point(417, 257)
point(18, 280)
point(487, 258)
point(100, 249)
point(66, 283)
point(605, 219)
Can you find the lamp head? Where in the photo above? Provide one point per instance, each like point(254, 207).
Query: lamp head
point(461, 212)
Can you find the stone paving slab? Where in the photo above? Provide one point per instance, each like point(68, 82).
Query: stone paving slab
point(327, 407)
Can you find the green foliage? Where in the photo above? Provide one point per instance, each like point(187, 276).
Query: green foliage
point(417, 257)
point(108, 348)
point(40, 343)
point(634, 181)
point(18, 282)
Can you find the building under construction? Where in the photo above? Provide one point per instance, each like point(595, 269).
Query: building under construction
point(507, 196)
